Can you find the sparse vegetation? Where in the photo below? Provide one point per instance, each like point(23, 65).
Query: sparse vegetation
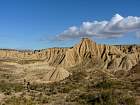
point(83, 87)
point(9, 87)
point(27, 61)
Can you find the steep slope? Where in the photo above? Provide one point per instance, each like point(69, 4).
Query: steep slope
point(134, 73)
point(106, 56)
point(101, 56)
point(55, 56)
point(43, 73)
point(89, 49)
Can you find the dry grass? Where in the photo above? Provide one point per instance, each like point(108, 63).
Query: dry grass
point(83, 87)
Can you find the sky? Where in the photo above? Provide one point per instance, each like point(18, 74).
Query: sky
point(37, 24)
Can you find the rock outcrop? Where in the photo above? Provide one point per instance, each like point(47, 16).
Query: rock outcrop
point(111, 57)
point(134, 73)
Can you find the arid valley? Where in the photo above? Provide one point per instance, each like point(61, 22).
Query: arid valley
point(69, 52)
point(85, 74)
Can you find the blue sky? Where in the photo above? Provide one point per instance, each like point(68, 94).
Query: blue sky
point(23, 23)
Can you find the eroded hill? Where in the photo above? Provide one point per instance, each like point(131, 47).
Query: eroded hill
point(106, 56)
point(85, 74)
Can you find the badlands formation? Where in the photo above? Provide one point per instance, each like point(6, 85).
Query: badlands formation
point(53, 64)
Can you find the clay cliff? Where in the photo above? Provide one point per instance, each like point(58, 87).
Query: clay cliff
point(106, 56)
point(120, 57)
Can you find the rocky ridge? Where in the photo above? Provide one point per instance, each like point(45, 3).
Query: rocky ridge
point(121, 57)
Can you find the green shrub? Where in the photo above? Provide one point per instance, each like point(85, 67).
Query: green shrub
point(16, 87)
point(104, 85)
point(19, 101)
point(127, 100)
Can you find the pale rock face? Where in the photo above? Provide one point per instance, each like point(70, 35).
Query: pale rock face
point(134, 72)
point(56, 74)
point(55, 56)
point(121, 57)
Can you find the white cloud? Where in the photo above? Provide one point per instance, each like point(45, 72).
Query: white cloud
point(116, 27)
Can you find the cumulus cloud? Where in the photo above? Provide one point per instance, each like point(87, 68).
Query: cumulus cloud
point(116, 27)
